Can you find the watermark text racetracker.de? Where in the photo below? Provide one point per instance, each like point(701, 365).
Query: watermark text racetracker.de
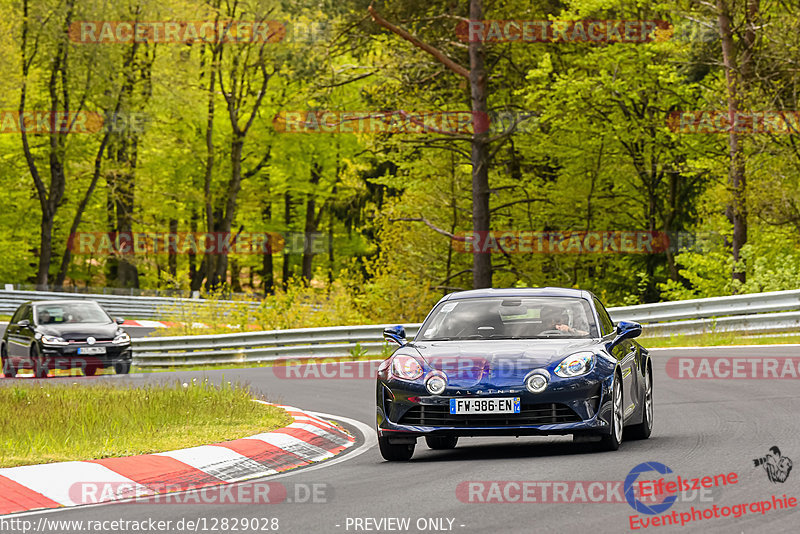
point(174, 243)
point(572, 492)
point(256, 493)
point(733, 367)
point(563, 31)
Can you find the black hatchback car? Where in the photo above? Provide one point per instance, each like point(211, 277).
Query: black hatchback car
point(64, 334)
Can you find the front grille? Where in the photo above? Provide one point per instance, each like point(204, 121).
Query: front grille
point(530, 414)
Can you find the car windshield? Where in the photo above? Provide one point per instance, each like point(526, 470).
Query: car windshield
point(70, 312)
point(510, 318)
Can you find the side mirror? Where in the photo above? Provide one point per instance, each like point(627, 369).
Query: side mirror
point(626, 330)
point(395, 334)
point(24, 323)
point(119, 320)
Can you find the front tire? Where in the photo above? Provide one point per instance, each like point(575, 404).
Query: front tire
point(122, 368)
point(9, 371)
point(40, 369)
point(643, 429)
point(441, 442)
point(395, 453)
point(612, 440)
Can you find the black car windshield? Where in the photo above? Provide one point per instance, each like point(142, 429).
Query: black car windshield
point(510, 318)
point(70, 312)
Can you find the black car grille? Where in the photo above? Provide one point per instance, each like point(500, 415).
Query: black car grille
point(530, 414)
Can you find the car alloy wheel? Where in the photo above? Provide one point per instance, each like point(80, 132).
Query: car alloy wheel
point(612, 440)
point(39, 364)
point(643, 429)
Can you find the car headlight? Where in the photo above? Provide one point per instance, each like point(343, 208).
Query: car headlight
point(577, 364)
point(406, 367)
point(54, 340)
point(122, 339)
point(436, 383)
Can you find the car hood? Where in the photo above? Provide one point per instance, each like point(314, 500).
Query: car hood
point(497, 363)
point(80, 331)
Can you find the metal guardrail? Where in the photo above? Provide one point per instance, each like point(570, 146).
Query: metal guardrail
point(256, 347)
point(741, 313)
point(749, 304)
point(119, 305)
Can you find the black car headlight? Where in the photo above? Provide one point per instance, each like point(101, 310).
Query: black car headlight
point(576, 364)
point(122, 338)
point(53, 340)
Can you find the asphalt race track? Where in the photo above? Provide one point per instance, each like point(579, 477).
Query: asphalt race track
point(702, 428)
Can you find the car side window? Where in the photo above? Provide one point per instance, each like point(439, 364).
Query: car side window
point(22, 314)
point(606, 324)
point(18, 315)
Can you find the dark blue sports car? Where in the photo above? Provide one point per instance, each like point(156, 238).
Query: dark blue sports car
point(512, 362)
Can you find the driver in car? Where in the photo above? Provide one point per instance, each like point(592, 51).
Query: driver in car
point(556, 319)
point(44, 317)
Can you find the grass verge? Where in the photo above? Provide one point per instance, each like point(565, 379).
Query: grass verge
point(52, 423)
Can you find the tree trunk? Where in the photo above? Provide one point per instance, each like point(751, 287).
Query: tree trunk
point(287, 219)
point(737, 210)
point(312, 220)
point(195, 275)
point(236, 272)
point(481, 263)
point(267, 276)
point(208, 267)
point(172, 259)
point(234, 186)
point(76, 221)
point(58, 89)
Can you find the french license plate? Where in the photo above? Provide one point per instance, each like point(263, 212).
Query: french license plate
point(91, 350)
point(483, 406)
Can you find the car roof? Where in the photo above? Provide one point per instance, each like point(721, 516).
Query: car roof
point(521, 292)
point(61, 301)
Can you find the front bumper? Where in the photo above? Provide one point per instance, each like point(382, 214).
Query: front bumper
point(67, 357)
point(568, 406)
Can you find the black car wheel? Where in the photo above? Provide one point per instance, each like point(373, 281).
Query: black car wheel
point(40, 369)
point(122, 368)
point(611, 441)
point(441, 442)
point(643, 429)
point(395, 453)
point(9, 371)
